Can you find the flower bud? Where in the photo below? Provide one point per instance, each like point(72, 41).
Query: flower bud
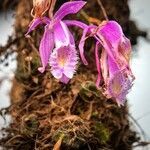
point(40, 7)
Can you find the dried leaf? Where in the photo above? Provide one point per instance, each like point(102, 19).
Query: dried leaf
point(58, 143)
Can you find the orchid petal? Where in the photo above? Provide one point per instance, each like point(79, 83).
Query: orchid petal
point(106, 45)
point(104, 65)
point(71, 38)
point(69, 72)
point(37, 21)
point(113, 67)
point(46, 46)
point(33, 25)
point(97, 64)
point(57, 73)
point(111, 31)
point(82, 42)
point(64, 79)
point(110, 34)
point(81, 46)
point(115, 43)
point(125, 48)
point(68, 8)
point(61, 34)
point(75, 23)
point(119, 82)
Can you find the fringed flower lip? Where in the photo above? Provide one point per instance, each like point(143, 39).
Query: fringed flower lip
point(118, 81)
point(63, 61)
point(48, 42)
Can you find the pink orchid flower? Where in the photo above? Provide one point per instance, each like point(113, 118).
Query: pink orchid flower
point(57, 45)
point(113, 65)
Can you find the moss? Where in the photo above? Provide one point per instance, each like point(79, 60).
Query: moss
point(88, 90)
point(101, 132)
point(35, 64)
point(30, 125)
point(67, 138)
point(95, 114)
point(58, 135)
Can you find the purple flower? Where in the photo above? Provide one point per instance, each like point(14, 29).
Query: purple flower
point(115, 68)
point(58, 37)
point(113, 65)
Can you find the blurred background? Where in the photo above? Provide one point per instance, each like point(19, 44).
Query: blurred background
point(138, 98)
point(7, 66)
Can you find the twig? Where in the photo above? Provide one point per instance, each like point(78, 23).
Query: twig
point(31, 43)
point(90, 19)
point(84, 14)
point(103, 9)
point(142, 131)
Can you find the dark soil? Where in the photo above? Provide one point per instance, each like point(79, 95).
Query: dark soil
point(47, 114)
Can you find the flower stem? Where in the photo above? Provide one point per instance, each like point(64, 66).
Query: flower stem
point(52, 6)
point(90, 19)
